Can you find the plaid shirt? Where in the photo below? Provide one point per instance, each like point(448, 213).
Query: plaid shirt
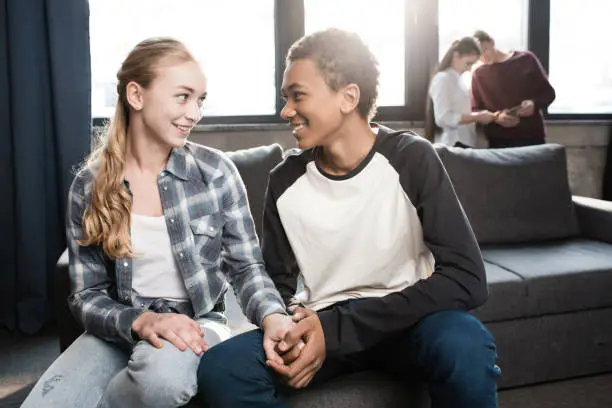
point(212, 236)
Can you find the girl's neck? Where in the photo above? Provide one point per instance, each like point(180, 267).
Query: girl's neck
point(144, 155)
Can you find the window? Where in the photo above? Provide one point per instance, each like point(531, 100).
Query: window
point(384, 36)
point(580, 60)
point(242, 45)
point(457, 19)
point(233, 39)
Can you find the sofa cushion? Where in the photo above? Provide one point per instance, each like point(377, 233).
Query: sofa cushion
point(363, 389)
point(254, 165)
point(561, 276)
point(507, 296)
point(513, 195)
point(553, 347)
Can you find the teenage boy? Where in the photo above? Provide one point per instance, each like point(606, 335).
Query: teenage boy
point(369, 247)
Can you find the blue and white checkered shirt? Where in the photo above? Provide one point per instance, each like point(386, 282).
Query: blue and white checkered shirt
point(213, 241)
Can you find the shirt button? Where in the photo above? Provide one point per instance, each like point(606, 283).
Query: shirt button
point(211, 229)
point(125, 264)
point(165, 188)
point(171, 220)
point(142, 305)
point(181, 255)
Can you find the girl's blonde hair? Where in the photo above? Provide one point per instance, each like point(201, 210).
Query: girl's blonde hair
point(106, 220)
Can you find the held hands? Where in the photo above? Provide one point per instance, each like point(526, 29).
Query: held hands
point(178, 329)
point(275, 327)
point(302, 349)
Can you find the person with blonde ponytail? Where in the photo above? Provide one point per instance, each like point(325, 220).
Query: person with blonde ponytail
point(449, 118)
point(156, 227)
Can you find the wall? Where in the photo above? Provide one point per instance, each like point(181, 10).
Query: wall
point(586, 146)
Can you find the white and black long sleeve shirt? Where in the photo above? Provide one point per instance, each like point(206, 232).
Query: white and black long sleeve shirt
point(391, 233)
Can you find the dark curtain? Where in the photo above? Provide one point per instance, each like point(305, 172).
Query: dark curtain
point(607, 178)
point(45, 126)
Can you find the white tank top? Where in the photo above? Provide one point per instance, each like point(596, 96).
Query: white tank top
point(154, 271)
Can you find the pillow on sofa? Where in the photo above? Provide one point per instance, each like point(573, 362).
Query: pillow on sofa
point(513, 195)
point(254, 165)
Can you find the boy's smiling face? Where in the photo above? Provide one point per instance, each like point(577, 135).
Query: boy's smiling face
point(312, 108)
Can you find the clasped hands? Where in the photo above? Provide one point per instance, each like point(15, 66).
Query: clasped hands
point(294, 346)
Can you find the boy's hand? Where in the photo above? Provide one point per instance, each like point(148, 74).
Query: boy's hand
point(311, 357)
point(290, 355)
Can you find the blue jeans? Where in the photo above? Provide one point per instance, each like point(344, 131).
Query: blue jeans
point(95, 373)
point(451, 350)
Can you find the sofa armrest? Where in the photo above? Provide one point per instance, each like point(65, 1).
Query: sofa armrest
point(594, 218)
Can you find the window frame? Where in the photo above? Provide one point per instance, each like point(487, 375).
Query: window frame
point(539, 44)
point(420, 53)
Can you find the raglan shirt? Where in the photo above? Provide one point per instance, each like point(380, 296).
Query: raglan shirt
point(390, 233)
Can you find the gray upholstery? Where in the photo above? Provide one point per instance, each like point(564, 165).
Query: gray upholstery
point(507, 296)
point(254, 165)
point(513, 195)
point(362, 390)
point(553, 347)
point(569, 275)
point(550, 301)
point(367, 389)
point(595, 218)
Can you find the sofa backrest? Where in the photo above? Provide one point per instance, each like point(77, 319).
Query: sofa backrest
point(509, 195)
point(513, 195)
point(254, 166)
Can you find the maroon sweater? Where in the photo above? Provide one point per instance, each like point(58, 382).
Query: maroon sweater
point(506, 84)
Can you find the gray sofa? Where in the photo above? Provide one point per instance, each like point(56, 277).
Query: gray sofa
point(548, 259)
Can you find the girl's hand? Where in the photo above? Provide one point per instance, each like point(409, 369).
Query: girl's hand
point(176, 328)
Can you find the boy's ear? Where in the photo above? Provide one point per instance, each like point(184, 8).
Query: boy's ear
point(133, 94)
point(350, 98)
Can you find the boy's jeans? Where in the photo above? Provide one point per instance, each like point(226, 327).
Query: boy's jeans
point(450, 350)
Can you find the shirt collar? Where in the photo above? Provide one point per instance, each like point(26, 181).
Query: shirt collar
point(177, 163)
point(452, 71)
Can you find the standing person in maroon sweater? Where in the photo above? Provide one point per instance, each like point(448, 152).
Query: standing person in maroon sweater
point(514, 85)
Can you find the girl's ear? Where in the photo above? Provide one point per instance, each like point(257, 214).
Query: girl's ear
point(133, 95)
point(350, 96)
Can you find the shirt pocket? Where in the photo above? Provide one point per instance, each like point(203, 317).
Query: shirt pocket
point(207, 235)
